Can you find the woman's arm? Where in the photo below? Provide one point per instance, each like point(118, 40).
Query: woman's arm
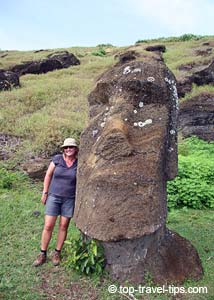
point(47, 182)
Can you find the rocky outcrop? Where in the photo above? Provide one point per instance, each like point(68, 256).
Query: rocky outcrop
point(65, 58)
point(8, 145)
point(54, 61)
point(36, 167)
point(184, 86)
point(126, 57)
point(202, 77)
point(196, 117)
point(158, 48)
point(205, 76)
point(8, 80)
point(127, 154)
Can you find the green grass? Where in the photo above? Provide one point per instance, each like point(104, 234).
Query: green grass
point(49, 107)
point(178, 54)
point(46, 109)
point(20, 242)
point(198, 90)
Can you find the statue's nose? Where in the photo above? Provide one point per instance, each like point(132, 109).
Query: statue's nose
point(113, 142)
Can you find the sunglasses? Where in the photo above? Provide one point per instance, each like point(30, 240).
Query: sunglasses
point(68, 147)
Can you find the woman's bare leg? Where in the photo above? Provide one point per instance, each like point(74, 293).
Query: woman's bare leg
point(47, 231)
point(62, 232)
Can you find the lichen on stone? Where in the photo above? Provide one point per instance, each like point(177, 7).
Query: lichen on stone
point(150, 79)
point(147, 122)
point(126, 70)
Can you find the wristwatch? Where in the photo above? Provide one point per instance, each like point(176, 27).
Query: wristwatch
point(45, 193)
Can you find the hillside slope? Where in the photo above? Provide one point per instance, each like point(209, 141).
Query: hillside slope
point(35, 118)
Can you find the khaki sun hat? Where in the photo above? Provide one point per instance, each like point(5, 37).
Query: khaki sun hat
point(69, 142)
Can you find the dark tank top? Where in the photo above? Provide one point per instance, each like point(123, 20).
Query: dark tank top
point(63, 182)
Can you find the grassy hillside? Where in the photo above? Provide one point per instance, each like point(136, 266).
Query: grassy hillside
point(49, 107)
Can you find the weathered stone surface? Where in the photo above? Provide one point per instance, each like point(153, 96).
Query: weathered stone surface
point(54, 61)
point(201, 74)
point(127, 154)
point(65, 58)
point(203, 52)
point(164, 254)
point(36, 168)
point(184, 86)
point(159, 48)
point(196, 117)
point(128, 151)
point(205, 76)
point(8, 80)
point(126, 57)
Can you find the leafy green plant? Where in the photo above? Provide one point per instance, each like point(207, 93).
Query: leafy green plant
point(194, 185)
point(105, 45)
point(101, 52)
point(182, 38)
point(9, 179)
point(84, 256)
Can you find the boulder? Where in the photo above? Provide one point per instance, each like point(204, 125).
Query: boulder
point(36, 168)
point(54, 61)
point(37, 67)
point(8, 80)
point(127, 154)
point(65, 58)
point(201, 74)
point(196, 117)
point(184, 86)
point(158, 48)
point(205, 76)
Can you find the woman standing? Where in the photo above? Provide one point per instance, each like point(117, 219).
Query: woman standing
point(59, 197)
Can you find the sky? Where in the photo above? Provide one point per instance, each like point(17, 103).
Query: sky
point(47, 24)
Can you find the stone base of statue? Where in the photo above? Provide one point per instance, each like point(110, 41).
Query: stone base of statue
point(164, 256)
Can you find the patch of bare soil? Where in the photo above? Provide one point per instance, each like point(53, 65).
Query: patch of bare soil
point(57, 285)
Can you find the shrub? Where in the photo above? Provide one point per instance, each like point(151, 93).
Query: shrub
point(101, 52)
point(182, 38)
point(84, 256)
point(188, 37)
point(105, 45)
point(194, 185)
point(9, 179)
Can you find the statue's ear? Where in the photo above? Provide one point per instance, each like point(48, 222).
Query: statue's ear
point(172, 158)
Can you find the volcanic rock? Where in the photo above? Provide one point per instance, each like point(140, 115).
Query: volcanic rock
point(165, 254)
point(196, 117)
point(158, 48)
point(36, 168)
point(184, 86)
point(65, 58)
point(205, 76)
point(121, 164)
point(127, 154)
point(8, 80)
point(126, 57)
point(54, 61)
